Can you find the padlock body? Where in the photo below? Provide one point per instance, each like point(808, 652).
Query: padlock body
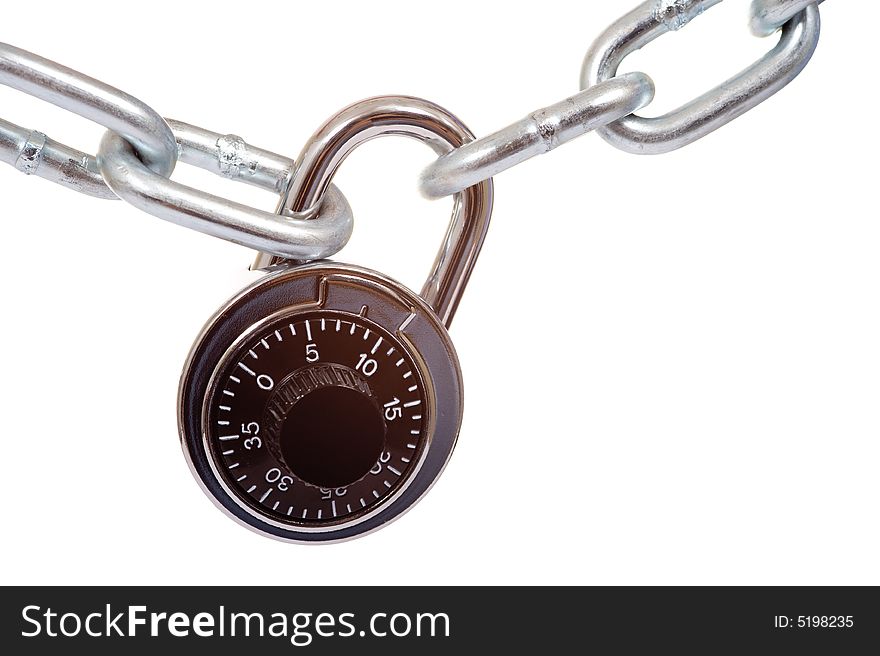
point(320, 403)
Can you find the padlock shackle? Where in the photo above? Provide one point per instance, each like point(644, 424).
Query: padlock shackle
point(429, 123)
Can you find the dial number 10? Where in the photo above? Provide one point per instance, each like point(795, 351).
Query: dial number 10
point(367, 365)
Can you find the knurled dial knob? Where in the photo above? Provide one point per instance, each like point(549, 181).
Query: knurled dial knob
point(325, 425)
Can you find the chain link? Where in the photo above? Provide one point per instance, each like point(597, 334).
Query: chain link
point(767, 16)
point(139, 153)
point(35, 154)
point(548, 128)
point(714, 108)
point(140, 149)
point(277, 233)
point(538, 133)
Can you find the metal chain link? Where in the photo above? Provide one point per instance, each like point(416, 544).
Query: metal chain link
point(538, 133)
point(279, 233)
point(548, 128)
point(138, 153)
point(714, 108)
point(769, 15)
point(33, 153)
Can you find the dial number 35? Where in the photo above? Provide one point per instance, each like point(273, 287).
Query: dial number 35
point(252, 429)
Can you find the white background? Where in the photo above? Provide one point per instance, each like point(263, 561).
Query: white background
point(672, 363)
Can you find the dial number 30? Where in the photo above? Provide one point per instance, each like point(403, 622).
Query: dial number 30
point(283, 482)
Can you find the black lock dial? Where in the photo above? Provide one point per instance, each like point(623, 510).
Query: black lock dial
point(320, 403)
point(317, 418)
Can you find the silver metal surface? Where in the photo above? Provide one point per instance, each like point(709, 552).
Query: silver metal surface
point(675, 14)
point(536, 134)
point(89, 98)
point(288, 237)
point(230, 156)
point(711, 110)
point(767, 16)
point(139, 152)
point(33, 153)
point(411, 117)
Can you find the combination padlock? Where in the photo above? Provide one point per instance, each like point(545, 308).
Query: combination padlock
point(324, 400)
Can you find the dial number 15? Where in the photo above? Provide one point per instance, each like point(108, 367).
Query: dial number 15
point(393, 410)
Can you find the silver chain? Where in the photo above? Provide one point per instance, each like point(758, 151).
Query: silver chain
point(140, 149)
point(767, 16)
